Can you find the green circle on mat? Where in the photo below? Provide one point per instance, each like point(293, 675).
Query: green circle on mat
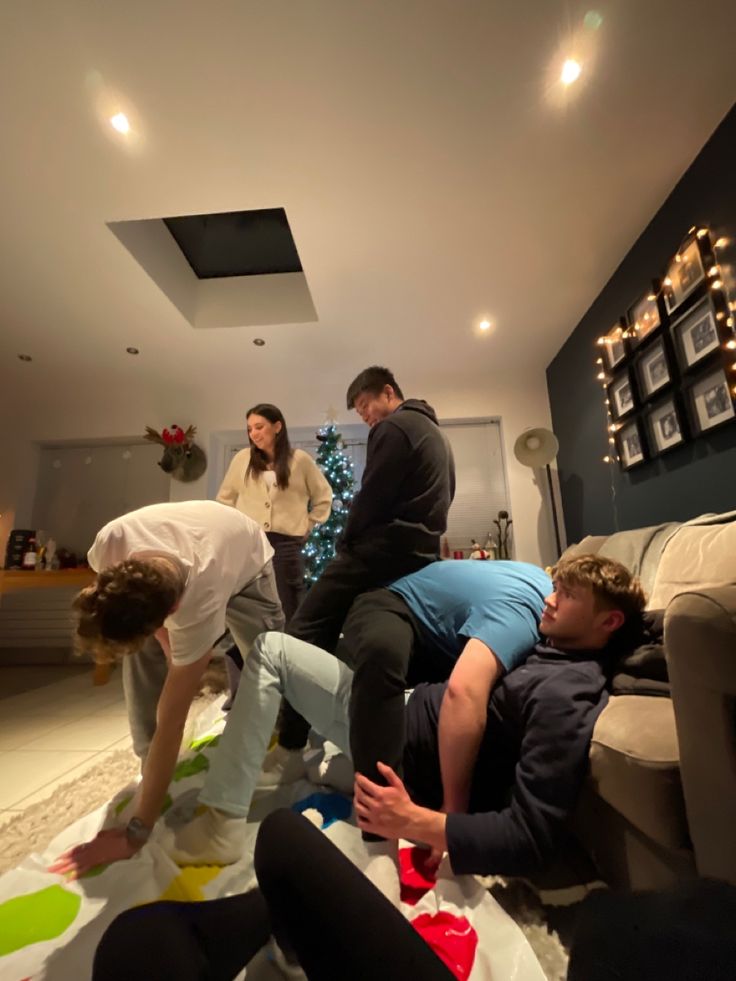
point(35, 917)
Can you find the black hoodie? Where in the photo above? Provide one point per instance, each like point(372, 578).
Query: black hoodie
point(407, 486)
point(530, 767)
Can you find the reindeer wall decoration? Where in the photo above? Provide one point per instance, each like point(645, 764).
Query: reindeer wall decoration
point(182, 458)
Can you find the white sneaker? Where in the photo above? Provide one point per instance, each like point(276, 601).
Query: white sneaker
point(282, 766)
point(212, 838)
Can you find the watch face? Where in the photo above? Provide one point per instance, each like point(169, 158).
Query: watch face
point(137, 831)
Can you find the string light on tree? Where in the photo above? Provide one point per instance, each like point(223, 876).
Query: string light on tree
point(337, 467)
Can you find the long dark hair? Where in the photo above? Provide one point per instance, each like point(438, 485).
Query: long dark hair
point(282, 451)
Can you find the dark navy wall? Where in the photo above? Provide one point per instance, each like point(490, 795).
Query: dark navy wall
point(701, 476)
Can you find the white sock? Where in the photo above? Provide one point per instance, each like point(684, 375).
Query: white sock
point(282, 766)
point(382, 868)
point(335, 771)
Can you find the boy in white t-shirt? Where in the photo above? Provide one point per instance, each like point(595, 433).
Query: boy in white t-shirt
point(182, 574)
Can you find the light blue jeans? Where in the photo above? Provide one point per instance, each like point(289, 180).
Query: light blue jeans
point(315, 683)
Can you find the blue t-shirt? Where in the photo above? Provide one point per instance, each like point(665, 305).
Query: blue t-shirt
point(500, 603)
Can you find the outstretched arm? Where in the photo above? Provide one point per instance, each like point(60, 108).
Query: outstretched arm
point(180, 687)
point(390, 812)
point(553, 761)
point(462, 721)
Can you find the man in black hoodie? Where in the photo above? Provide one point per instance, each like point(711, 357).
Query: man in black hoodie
point(393, 527)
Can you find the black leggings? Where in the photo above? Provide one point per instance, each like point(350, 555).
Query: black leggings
point(315, 901)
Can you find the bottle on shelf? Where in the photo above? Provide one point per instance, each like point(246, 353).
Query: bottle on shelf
point(490, 547)
point(30, 557)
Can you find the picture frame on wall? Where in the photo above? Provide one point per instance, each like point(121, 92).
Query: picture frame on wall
point(685, 273)
point(621, 395)
point(711, 401)
point(614, 346)
point(665, 425)
point(653, 369)
point(631, 446)
point(696, 334)
point(643, 318)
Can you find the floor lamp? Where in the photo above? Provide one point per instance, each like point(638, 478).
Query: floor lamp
point(538, 448)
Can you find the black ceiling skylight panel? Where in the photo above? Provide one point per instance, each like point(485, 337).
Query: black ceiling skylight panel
point(236, 243)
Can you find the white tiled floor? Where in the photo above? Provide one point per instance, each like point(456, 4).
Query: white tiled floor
point(52, 734)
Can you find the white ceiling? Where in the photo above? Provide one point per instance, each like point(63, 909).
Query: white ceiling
point(428, 169)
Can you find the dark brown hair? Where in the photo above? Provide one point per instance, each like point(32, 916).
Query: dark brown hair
point(282, 451)
point(372, 380)
point(126, 605)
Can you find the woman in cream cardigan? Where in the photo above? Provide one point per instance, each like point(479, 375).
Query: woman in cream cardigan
point(284, 491)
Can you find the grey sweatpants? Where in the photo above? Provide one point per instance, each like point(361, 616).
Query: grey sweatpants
point(255, 609)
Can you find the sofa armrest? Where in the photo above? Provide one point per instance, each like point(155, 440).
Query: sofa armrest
point(700, 640)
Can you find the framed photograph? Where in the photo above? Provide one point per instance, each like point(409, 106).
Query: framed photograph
point(614, 348)
point(653, 369)
point(665, 427)
point(621, 395)
point(696, 334)
point(643, 318)
point(630, 445)
point(686, 273)
point(711, 401)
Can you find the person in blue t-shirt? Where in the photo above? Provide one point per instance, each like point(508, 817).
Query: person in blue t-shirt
point(467, 621)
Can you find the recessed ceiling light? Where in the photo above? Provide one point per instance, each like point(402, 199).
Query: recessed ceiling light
point(132, 350)
point(25, 357)
point(570, 71)
point(485, 325)
point(258, 341)
point(120, 122)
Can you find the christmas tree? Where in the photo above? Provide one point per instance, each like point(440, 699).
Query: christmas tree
point(337, 467)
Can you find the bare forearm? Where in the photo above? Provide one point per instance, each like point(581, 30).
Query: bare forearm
point(157, 772)
point(428, 827)
point(461, 726)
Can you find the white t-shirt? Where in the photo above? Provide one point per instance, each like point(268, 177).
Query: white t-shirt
point(219, 549)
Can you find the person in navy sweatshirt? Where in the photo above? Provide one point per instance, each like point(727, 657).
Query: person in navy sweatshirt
point(530, 764)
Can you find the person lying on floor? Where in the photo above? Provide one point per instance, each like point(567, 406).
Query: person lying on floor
point(179, 573)
point(332, 921)
point(531, 761)
point(470, 621)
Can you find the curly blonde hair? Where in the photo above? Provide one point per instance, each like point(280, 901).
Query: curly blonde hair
point(126, 605)
point(613, 586)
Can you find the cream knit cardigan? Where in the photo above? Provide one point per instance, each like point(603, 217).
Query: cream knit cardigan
point(283, 511)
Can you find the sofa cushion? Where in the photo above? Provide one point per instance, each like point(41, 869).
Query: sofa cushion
point(590, 545)
point(697, 556)
point(639, 550)
point(635, 766)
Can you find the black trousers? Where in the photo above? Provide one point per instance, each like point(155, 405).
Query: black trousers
point(321, 616)
point(386, 649)
point(288, 567)
point(315, 901)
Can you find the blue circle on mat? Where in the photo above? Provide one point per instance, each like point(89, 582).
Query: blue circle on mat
point(332, 807)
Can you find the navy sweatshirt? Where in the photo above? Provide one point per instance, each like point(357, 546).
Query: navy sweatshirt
point(407, 487)
point(530, 767)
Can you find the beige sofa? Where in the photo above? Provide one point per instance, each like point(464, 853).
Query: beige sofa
point(660, 800)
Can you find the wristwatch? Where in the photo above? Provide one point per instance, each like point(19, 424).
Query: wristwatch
point(137, 832)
